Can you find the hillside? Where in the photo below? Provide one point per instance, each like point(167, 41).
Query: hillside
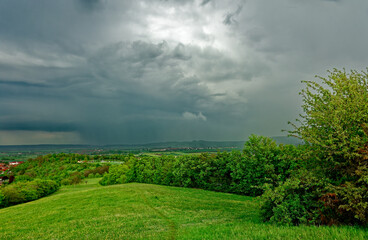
point(142, 211)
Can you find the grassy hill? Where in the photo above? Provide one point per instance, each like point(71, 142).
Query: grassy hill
point(142, 211)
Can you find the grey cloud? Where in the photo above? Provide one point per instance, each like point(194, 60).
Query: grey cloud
point(91, 4)
point(143, 71)
point(204, 2)
point(230, 17)
point(193, 116)
point(22, 84)
point(16, 125)
point(181, 53)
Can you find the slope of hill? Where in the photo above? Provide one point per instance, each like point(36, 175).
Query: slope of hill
point(142, 211)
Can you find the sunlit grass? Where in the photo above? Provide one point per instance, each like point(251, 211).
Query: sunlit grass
point(142, 211)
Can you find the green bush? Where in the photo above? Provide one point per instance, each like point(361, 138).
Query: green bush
point(335, 121)
point(74, 178)
point(23, 178)
point(263, 162)
point(334, 127)
point(294, 202)
point(345, 204)
point(20, 192)
point(116, 175)
point(2, 198)
point(97, 172)
point(66, 181)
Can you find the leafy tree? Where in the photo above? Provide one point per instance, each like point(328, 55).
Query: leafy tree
point(116, 175)
point(335, 119)
point(334, 126)
point(263, 162)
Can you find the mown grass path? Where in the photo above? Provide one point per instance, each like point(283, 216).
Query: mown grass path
point(143, 211)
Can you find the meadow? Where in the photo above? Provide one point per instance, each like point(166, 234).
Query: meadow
point(147, 211)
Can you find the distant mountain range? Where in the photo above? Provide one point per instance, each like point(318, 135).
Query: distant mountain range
point(159, 145)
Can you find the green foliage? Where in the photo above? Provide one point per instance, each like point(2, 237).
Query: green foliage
point(63, 168)
point(2, 198)
point(345, 204)
point(23, 178)
point(295, 201)
point(262, 162)
point(116, 175)
point(335, 116)
point(97, 171)
point(74, 178)
point(335, 130)
point(21, 192)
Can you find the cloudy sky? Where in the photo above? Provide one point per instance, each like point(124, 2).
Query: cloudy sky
point(105, 71)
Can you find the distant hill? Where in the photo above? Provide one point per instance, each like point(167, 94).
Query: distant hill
point(287, 140)
point(196, 144)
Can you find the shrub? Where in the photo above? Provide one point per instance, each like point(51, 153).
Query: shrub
point(116, 175)
point(335, 129)
point(20, 192)
point(295, 201)
point(335, 120)
point(74, 178)
point(23, 178)
point(345, 204)
point(66, 181)
point(2, 198)
point(263, 162)
point(97, 172)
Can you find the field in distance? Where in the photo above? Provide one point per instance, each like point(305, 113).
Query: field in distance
point(24, 152)
point(143, 211)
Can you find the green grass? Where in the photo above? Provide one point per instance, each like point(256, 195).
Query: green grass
point(142, 211)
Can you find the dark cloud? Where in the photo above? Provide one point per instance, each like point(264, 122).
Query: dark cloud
point(145, 71)
point(17, 125)
point(22, 84)
point(91, 4)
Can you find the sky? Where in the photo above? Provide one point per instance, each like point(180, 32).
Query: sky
point(128, 72)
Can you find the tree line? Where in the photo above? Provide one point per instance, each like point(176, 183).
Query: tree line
point(324, 181)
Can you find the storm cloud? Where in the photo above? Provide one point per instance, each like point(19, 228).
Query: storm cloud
point(108, 72)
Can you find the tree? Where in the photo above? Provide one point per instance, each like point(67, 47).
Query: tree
point(332, 185)
point(335, 119)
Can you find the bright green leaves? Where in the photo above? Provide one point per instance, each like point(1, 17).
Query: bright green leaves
point(335, 112)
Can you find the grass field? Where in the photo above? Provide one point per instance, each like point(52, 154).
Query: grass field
point(142, 211)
